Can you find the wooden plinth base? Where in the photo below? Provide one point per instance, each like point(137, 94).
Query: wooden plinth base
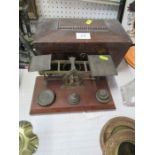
point(87, 94)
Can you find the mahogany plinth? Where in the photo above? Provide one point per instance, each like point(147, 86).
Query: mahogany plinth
point(87, 94)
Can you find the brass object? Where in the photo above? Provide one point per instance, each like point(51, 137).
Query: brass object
point(74, 98)
point(113, 144)
point(72, 78)
point(46, 97)
point(117, 137)
point(101, 65)
point(28, 141)
point(102, 96)
point(44, 63)
point(58, 67)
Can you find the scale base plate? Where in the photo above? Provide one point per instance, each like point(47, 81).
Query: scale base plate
point(87, 92)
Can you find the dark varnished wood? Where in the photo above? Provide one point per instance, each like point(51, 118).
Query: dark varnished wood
point(49, 39)
point(87, 93)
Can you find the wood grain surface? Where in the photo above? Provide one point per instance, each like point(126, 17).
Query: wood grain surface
point(87, 94)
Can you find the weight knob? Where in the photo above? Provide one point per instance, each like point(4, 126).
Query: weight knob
point(74, 98)
point(103, 96)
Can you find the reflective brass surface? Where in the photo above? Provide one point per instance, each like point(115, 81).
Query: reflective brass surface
point(112, 146)
point(28, 141)
point(117, 137)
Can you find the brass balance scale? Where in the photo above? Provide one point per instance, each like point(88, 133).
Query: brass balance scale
point(73, 70)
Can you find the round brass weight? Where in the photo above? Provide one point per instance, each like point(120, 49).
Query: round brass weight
point(74, 99)
point(117, 132)
point(114, 142)
point(28, 141)
point(46, 97)
point(103, 96)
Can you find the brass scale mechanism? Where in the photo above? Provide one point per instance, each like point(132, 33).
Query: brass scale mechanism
point(72, 73)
